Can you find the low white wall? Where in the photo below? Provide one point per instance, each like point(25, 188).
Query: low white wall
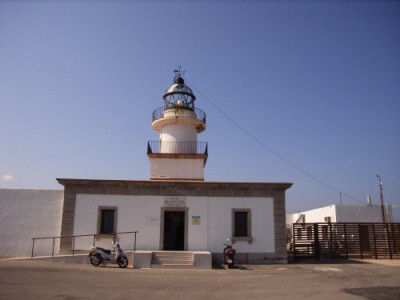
point(25, 214)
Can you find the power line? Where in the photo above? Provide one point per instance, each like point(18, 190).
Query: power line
point(252, 136)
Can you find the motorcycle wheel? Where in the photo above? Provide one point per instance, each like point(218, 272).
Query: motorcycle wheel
point(230, 265)
point(95, 259)
point(122, 262)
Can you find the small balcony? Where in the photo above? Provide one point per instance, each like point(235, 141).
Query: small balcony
point(196, 148)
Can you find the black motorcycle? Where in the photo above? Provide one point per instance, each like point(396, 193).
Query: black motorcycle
point(229, 255)
point(100, 255)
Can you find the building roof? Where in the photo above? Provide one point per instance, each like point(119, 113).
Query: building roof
point(175, 187)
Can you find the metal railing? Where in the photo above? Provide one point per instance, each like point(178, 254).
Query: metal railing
point(157, 147)
point(54, 238)
point(159, 113)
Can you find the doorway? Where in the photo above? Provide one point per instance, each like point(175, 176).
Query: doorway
point(174, 231)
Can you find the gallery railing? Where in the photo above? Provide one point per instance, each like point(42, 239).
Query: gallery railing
point(54, 238)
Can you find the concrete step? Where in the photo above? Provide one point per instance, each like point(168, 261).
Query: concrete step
point(172, 266)
point(172, 260)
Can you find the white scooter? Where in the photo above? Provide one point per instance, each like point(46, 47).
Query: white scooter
point(100, 255)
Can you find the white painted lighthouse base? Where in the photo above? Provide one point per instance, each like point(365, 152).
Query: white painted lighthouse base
point(171, 168)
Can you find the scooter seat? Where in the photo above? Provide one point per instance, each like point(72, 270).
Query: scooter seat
point(104, 250)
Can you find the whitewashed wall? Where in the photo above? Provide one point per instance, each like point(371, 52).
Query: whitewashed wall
point(345, 213)
point(178, 133)
point(26, 213)
point(143, 214)
point(173, 168)
point(363, 213)
point(317, 215)
point(135, 213)
point(262, 227)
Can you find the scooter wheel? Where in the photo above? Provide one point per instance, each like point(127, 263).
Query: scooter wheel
point(95, 260)
point(122, 262)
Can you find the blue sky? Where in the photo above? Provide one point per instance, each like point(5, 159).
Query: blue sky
point(316, 82)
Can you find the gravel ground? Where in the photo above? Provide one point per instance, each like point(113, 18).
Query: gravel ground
point(308, 280)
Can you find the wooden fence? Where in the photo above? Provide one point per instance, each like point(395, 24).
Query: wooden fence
point(346, 240)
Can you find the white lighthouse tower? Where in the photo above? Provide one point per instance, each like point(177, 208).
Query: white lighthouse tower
point(178, 155)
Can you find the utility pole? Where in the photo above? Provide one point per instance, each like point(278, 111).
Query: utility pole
point(380, 184)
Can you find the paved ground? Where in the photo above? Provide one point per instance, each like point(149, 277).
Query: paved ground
point(347, 280)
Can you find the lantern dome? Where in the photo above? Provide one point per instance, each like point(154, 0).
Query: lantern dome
point(179, 95)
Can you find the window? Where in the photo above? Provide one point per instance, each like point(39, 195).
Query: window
point(107, 220)
point(241, 225)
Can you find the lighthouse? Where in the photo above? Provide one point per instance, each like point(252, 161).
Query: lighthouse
point(176, 210)
point(178, 155)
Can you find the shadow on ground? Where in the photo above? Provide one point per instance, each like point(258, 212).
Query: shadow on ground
point(327, 261)
point(376, 293)
point(236, 267)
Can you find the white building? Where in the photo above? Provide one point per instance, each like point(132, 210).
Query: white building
point(343, 232)
point(337, 213)
point(176, 209)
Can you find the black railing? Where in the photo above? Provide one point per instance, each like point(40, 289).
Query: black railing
point(157, 147)
point(54, 238)
point(199, 114)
